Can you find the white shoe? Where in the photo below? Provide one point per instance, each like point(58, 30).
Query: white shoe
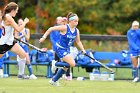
point(53, 68)
point(32, 76)
point(1, 73)
point(136, 79)
point(54, 83)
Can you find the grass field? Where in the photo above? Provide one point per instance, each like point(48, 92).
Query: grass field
point(41, 85)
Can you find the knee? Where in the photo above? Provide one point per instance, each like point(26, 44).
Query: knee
point(23, 56)
point(20, 59)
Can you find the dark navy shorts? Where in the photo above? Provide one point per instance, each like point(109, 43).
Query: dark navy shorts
point(4, 48)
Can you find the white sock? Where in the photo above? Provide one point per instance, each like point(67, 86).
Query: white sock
point(1, 72)
point(21, 64)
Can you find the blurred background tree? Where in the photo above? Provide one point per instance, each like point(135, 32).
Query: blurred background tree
point(112, 17)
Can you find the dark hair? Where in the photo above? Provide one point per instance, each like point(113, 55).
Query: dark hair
point(0, 15)
point(70, 14)
point(1, 12)
point(9, 7)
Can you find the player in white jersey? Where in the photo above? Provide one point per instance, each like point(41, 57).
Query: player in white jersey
point(7, 38)
point(24, 35)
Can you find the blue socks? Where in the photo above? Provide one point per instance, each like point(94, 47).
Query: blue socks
point(29, 69)
point(58, 75)
point(1, 63)
point(134, 72)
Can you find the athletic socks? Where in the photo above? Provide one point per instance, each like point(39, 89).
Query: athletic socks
point(58, 75)
point(68, 72)
point(21, 64)
point(29, 66)
point(135, 72)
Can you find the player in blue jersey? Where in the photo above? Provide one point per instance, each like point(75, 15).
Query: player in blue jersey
point(24, 35)
point(133, 36)
point(68, 34)
point(54, 36)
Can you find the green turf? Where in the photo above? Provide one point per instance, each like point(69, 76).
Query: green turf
point(41, 85)
point(121, 73)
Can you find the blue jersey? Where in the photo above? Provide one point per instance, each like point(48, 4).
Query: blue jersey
point(54, 37)
point(64, 42)
point(24, 46)
point(67, 40)
point(133, 37)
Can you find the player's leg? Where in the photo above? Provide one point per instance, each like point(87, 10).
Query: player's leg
point(68, 77)
point(29, 66)
point(135, 68)
point(1, 68)
point(61, 71)
point(138, 67)
point(17, 49)
point(54, 68)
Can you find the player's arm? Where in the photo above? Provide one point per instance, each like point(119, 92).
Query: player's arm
point(27, 35)
point(15, 25)
point(61, 28)
point(79, 43)
point(16, 34)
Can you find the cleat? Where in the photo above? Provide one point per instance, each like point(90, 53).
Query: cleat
point(32, 76)
point(54, 83)
point(68, 78)
point(136, 79)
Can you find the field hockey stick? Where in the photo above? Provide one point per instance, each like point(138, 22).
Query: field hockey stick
point(30, 45)
point(100, 63)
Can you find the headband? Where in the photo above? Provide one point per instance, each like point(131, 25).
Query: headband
point(135, 23)
point(73, 18)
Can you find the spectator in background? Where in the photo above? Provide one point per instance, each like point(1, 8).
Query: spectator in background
point(24, 35)
point(7, 38)
point(133, 36)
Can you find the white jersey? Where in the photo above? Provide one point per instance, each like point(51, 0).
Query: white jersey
point(8, 35)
